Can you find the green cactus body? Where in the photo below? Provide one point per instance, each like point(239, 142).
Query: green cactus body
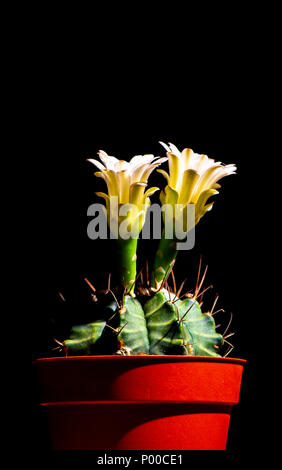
point(199, 328)
point(180, 327)
point(134, 333)
point(126, 325)
point(163, 328)
point(84, 337)
point(160, 327)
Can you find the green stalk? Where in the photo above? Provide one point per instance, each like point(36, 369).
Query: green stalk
point(164, 258)
point(126, 250)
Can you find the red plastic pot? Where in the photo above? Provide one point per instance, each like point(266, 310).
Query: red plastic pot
point(139, 402)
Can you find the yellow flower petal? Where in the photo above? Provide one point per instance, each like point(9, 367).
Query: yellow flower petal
point(104, 195)
point(147, 171)
point(208, 178)
point(126, 181)
point(136, 193)
point(121, 165)
point(165, 146)
point(110, 177)
point(189, 182)
point(151, 191)
point(212, 175)
point(194, 177)
point(140, 160)
point(165, 174)
point(96, 163)
point(171, 195)
point(146, 205)
point(174, 164)
point(108, 160)
point(201, 163)
point(137, 173)
point(123, 183)
point(201, 213)
point(107, 200)
point(188, 156)
point(162, 198)
point(174, 149)
point(204, 197)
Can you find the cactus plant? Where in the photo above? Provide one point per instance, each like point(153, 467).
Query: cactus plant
point(152, 318)
point(160, 323)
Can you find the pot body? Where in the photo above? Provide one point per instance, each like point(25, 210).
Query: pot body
point(139, 402)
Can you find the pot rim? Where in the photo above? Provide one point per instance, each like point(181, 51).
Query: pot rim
point(142, 357)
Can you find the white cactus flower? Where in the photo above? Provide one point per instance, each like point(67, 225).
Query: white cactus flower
point(192, 179)
point(127, 181)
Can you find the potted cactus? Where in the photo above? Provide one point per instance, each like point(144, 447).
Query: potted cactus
point(148, 372)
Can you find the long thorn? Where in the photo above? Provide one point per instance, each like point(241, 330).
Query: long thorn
point(229, 323)
point(116, 300)
point(202, 280)
point(181, 287)
point(174, 299)
point(214, 304)
point(109, 326)
point(173, 281)
point(168, 289)
point(186, 294)
point(217, 311)
point(147, 273)
point(109, 319)
point(198, 276)
point(141, 277)
point(228, 343)
point(229, 351)
point(133, 284)
point(109, 290)
point(62, 297)
point(122, 327)
point(228, 336)
point(168, 271)
point(90, 285)
point(181, 319)
point(201, 293)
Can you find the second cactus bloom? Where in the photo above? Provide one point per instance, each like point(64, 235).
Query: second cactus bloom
point(192, 179)
point(127, 202)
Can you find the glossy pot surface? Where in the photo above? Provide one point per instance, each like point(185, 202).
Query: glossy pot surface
point(139, 402)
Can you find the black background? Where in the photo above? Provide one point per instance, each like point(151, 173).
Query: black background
point(124, 104)
point(223, 237)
